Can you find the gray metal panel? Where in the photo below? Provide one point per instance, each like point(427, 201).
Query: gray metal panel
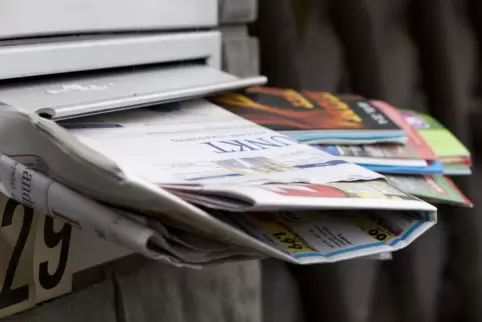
point(240, 51)
point(237, 11)
point(94, 304)
point(27, 18)
point(83, 53)
point(228, 292)
point(88, 250)
point(102, 92)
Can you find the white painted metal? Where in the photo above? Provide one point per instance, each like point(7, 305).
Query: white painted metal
point(101, 92)
point(30, 18)
point(80, 54)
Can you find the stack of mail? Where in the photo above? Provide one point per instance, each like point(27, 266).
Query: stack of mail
point(191, 183)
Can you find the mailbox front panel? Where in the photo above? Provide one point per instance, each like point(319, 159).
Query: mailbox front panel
point(31, 18)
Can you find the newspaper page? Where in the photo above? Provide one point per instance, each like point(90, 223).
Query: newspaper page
point(308, 237)
point(335, 195)
point(132, 175)
point(35, 191)
point(61, 157)
point(199, 143)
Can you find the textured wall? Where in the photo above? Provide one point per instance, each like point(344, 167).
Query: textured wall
point(415, 54)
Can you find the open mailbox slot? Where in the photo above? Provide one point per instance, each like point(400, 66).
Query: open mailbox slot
point(68, 77)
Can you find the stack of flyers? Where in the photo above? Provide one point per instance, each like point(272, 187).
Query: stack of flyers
point(415, 157)
point(413, 150)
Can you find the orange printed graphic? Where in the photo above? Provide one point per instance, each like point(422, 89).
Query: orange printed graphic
point(281, 109)
point(336, 107)
point(295, 98)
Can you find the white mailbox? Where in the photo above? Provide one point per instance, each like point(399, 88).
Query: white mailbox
point(72, 58)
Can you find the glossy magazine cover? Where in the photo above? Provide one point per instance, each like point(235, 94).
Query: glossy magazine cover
point(308, 115)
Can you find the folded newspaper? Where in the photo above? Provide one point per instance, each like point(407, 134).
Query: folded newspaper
point(192, 183)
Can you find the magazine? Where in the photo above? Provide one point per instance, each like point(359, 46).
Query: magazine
point(414, 157)
point(448, 149)
point(434, 189)
point(314, 117)
point(386, 158)
point(457, 169)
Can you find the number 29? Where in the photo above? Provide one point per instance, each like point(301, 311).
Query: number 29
point(10, 295)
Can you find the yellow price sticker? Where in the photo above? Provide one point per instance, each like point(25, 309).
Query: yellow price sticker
point(287, 238)
point(373, 229)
